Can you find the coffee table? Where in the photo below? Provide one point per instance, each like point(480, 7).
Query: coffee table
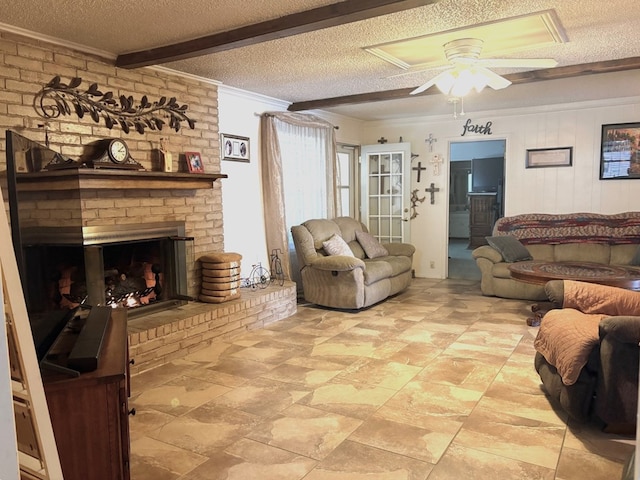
point(541, 272)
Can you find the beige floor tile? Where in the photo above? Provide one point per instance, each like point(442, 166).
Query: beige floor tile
point(350, 399)
point(417, 354)
point(269, 352)
point(298, 374)
point(535, 406)
point(579, 465)
point(178, 396)
point(473, 374)
point(209, 373)
point(251, 396)
point(512, 437)
point(382, 373)
point(206, 429)
point(407, 440)
point(466, 463)
point(212, 353)
point(246, 460)
point(436, 383)
point(149, 453)
point(423, 398)
point(354, 461)
point(590, 438)
point(146, 421)
point(307, 431)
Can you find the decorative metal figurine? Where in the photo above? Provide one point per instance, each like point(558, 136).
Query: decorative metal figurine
point(414, 203)
point(57, 98)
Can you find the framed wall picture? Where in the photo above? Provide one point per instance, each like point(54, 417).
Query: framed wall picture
point(549, 157)
point(620, 151)
point(194, 162)
point(234, 148)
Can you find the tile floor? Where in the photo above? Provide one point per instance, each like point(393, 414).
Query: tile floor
point(436, 383)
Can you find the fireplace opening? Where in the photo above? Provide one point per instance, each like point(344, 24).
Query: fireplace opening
point(140, 268)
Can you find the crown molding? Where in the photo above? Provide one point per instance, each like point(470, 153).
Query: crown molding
point(56, 41)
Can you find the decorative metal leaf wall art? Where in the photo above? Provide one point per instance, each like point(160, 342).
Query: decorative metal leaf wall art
point(57, 98)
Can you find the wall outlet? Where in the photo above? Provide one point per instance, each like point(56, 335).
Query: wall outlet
point(432, 264)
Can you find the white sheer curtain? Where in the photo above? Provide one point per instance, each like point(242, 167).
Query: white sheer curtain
point(299, 177)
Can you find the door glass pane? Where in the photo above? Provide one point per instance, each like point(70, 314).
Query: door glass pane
point(374, 185)
point(385, 206)
point(373, 206)
point(373, 226)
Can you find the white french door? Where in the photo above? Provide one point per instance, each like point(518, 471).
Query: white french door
point(386, 181)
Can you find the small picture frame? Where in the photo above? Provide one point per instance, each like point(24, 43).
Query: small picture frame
point(549, 157)
point(194, 162)
point(234, 148)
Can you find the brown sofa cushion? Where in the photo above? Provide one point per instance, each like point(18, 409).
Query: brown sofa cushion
point(566, 339)
point(594, 298)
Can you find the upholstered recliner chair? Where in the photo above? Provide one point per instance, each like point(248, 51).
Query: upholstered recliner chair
point(587, 352)
point(343, 266)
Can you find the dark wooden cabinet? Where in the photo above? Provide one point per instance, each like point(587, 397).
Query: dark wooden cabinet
point(482, 216)
point(90, 414)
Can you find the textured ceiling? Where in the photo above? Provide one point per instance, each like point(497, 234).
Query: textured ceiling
point(333, 62)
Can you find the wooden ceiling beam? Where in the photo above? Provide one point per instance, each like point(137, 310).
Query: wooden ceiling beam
point(302, 22)
point(555, 73)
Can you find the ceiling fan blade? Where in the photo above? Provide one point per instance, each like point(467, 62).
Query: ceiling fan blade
point(425, 86)
point(494, 80)
point(518, 62)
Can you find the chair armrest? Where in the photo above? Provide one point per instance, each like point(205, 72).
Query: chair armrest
point(337, 263)
point(623, 328)
point(400, 249)
point(490, 253)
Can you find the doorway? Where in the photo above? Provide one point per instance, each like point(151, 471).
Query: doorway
point(476, 167)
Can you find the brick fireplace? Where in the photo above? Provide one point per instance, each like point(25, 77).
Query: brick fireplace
point(78, 199)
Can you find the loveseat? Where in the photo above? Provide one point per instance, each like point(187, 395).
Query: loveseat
point(576, 237)
point(587, 353)
point(343, 266)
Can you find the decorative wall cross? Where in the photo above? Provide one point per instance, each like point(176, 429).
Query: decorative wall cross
point(432, 190)
point(430, 141)
point(382, 140)
point(419, 169)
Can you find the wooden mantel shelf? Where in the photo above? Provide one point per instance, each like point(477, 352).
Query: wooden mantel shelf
point(103, 178)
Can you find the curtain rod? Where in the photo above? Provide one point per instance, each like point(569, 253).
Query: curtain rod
point(271, 115)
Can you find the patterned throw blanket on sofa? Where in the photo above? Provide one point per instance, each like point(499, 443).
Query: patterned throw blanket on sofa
point(540, 228)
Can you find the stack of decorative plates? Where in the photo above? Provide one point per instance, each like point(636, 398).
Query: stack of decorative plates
point(220, 277)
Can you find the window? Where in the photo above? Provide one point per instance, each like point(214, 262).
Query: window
point(347, 185)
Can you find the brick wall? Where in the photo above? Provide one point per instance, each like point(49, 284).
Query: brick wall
point(26, 65)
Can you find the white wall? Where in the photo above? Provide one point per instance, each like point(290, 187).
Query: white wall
point(544, 190)
point(243, 215)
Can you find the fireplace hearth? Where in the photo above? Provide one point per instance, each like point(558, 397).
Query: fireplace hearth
point(142, 268)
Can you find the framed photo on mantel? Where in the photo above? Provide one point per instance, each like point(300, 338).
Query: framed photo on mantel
point(194, 162)
point(234, 148)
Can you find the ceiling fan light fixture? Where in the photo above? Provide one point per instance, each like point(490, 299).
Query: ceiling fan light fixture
point(446, 81)
point(459, 81)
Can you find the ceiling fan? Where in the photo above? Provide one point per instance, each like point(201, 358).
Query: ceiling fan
point(469, 71)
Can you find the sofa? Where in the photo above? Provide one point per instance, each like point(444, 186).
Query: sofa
point(587, 353)
point(343, 266)
point(579, 237)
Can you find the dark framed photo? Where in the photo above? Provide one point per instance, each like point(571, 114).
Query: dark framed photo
point(234, 148)
point(620, 151)
point(549, 157)
point(194, 162)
